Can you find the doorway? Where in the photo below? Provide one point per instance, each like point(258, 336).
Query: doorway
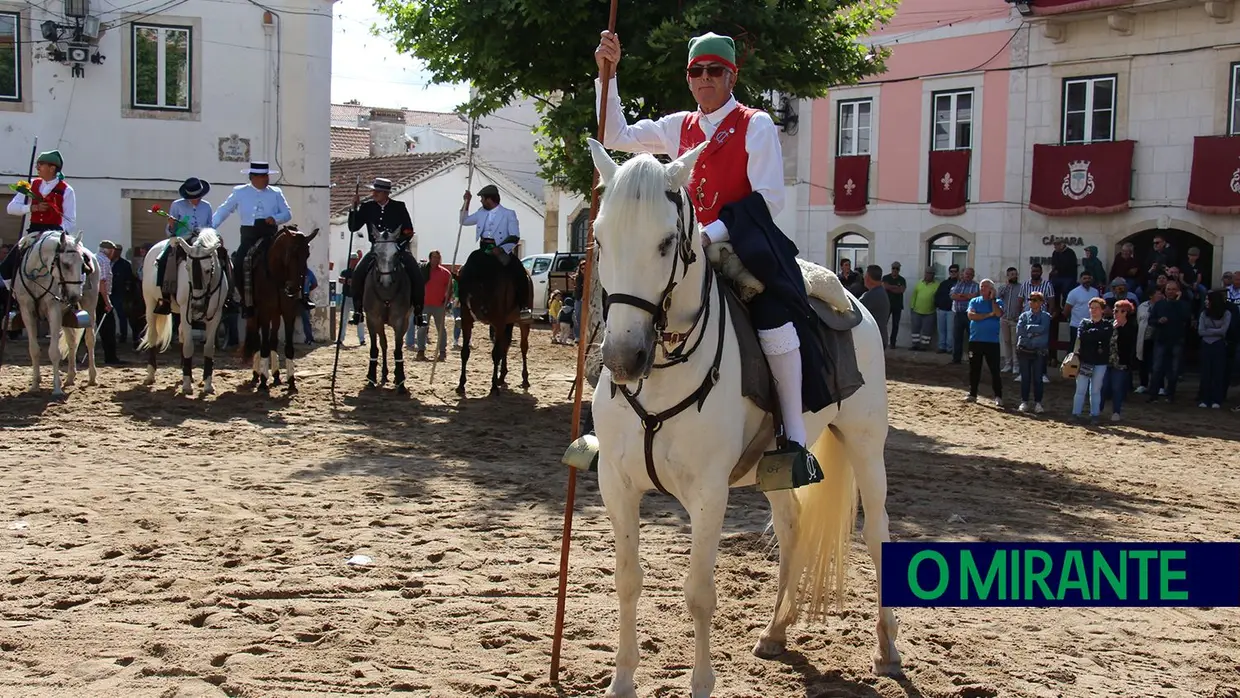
point(1180, 241)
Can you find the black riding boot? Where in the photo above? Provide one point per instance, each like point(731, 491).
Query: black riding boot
point(163, 306)
point(226, 263)
point(358, 287)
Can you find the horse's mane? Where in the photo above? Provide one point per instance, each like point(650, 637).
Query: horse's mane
point(207, 238)
point(636, 194)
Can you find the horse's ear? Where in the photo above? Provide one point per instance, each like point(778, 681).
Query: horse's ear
point(64, 238)
point(678, 170)
point(606, 166)
point(311, 235)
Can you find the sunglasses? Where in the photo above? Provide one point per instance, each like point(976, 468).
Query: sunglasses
point(714, 71)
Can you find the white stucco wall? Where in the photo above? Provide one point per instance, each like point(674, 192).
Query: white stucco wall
point(434, 205)
point(113, 153)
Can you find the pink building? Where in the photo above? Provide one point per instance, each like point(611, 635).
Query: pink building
point(911, 166)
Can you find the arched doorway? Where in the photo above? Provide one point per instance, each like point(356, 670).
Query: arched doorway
point(945, 250)
point(1180, 241)
point(853, 247)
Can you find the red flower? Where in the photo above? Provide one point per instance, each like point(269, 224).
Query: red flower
point(155, 208)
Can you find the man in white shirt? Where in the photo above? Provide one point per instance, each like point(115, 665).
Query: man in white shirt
point(498, 232)
point(1076, 307)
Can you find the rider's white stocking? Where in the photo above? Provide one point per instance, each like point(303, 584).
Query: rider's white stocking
point(782, 348)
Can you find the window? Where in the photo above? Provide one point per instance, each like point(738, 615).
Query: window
point(953, 120)
point(581, 225)
point(537, 265)
point(1233, 120)
point(946, 250)
point(854, 127)
point(1089, 109)
point(161, 67)
point(10, 57)
point(855, 249)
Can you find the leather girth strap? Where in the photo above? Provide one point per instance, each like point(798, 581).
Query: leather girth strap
point(652, 423)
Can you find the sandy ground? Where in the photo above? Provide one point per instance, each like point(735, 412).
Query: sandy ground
point(158, 545)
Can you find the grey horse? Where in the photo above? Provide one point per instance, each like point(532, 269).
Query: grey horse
point(388, 301)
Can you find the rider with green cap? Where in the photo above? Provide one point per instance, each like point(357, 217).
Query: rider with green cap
point(737, 203)
point(54, 207)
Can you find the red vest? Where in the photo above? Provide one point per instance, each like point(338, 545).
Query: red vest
point(56, 197)
point(720, 175)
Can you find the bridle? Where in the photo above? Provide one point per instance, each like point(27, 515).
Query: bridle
point(213, 275)
point(388, 238)
point(53, 272)
point(685, 256)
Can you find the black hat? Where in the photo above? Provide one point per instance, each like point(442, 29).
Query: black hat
point(259, 168)
point(381, 184)
point(490, 191)
point(194, 188)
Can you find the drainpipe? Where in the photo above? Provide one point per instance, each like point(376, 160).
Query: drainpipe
point(269, 29)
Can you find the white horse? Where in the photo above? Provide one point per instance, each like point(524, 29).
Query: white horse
point(51, 284)
point(649, 250)
point(199, 298)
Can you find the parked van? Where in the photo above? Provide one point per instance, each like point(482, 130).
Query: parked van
point(550, 272)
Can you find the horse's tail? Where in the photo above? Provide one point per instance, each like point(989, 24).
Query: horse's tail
point(827, 512)
point(70, 339)
point(158, 334)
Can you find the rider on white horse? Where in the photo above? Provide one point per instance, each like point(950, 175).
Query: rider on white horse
point(187, 215)
point(736, 203)
point(54, 209)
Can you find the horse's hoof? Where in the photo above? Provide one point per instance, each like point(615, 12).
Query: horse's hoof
point(57, 394)
point(291, 388)
point(402, 390)
point(525, 385)
point(149, 381)
point(208, 391)
point(769, 649)
point(460, 390)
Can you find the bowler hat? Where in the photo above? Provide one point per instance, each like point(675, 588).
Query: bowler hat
point(194, 188)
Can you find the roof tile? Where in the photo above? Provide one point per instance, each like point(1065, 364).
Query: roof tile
point(401, 169)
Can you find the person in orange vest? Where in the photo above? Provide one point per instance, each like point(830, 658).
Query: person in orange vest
point(54, 208)
point(737, 203)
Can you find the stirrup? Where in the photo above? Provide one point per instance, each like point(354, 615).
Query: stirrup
point(582, 454)
point(788, 468)
point(357, 318)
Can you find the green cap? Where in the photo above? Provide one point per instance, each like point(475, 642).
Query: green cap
point(713, 47)
point(52, 157)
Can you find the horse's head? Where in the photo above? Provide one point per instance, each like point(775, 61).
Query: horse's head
point(55, 263)
point(386, 249)
point(647, 237)
point(290, 256)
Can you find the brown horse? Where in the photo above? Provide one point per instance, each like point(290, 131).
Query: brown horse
point(492, 299)
point(279, 277)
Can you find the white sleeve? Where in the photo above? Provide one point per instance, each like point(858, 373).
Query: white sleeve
point(660, 137)
point(69, 215)
point(18, 206)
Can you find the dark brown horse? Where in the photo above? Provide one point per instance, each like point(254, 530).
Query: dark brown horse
point(491, 298)
point(279, 277)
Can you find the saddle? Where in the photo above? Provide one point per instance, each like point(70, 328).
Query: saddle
point(837, 312)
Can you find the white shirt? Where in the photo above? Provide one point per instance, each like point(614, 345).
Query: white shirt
point(18, 206)
point(662, 137)
point(1078, 298)
point(496, 224)
point(105, 267)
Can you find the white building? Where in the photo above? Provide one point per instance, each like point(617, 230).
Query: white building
point(1160, 74)
point(165, 92)
point(431, 186)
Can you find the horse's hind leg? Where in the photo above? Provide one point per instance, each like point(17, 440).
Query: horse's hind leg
point(383, 349)
point(773, 641)
point(398, 353)
point(866, 457)
point(273, 347)
point(187, 354)
point(467, 330)
point(497, 358)
point(525, 350)
point(372, 370)
point(208, 354)
point(31, 320)
point(53, 352)
point(290, 350)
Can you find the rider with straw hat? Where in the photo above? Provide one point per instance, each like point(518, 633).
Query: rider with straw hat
point(737, 203)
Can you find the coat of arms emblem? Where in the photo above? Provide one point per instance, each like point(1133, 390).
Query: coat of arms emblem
point(1235, 181)
point(1078, 183)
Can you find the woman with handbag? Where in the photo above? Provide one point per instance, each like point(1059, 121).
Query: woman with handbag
point(1125, 339)
point(1093, 349)
point(1033, 331)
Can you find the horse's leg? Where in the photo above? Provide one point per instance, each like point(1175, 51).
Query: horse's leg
point(208, 351)
point(706, 505)
point(525, 350)
point(53, 352)
point(398, 351)
point(773, 641)
point(274, 347)
point(505, 341)
point(467, 331)
point(372, 370)
point(866, 457)
point(499, 348)
point(623, 503)
point(187, 352)
point(89, 336)
point(290, 351)
point(383, 351)
point(30, 319)
point(264, 355)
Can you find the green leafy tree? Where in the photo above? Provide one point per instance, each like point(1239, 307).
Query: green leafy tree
point(544, 49)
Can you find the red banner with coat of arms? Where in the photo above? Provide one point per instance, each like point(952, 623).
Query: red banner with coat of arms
point(852, 184)
point(1070, 180)
point(1215, 183)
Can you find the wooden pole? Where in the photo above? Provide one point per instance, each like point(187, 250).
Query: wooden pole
point(582, 345)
